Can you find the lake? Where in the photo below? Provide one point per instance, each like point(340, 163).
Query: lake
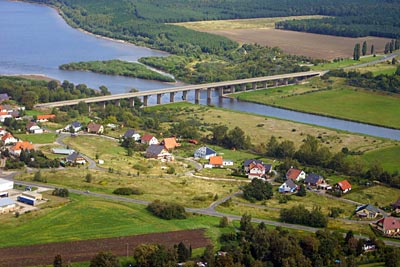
point(34, 39)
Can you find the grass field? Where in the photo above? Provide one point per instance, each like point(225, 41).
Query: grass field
point(388, 158)
point(382, 195)
point(342, 102)
point(386, 68)
point(345, 63)
point(45, 138)
point(87, 218)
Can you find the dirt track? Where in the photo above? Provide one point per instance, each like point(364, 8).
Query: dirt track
point(301, 43)
point(84, 250)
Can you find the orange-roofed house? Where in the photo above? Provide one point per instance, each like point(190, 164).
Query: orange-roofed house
point(388, 226)
point(43, 118)
point(8, 139)
point(19, 146)
point(216, 161)
point(170, 143)
point(295, 174)
point(344, 186)
point(256, 170)
point(4, 115)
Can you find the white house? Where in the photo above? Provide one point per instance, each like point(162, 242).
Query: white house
point(295, 174)
point(149, 139)
point(8, 139)
point(256, 171)
point(288, 187)
point(32, 127)
point(204, 153)
point(132, 134)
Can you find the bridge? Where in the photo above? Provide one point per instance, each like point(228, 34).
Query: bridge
point(222, 88)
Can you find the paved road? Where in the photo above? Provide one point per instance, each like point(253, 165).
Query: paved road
point(383, 59)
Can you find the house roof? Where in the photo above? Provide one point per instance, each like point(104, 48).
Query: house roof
point(62, 151)
point(24, 145)
point(289, 183)
point(147, 137)
point(216, 160)
point(312, 178)
point(344, 185)
point(4, 97)
point(258, 166)
point(293, 173)
point(389, 223)
point(76, 124)
point(207, 151)
point(45, 117)
point(130, 133)
point(6, 202)
point(268, 167)
point(94, 127)
point(247, 162)
point(367, 207)
point(74, 156)
point(170, 142)
point(4, 113)
point(6, 136)
point(30, 124)
point(155, 149)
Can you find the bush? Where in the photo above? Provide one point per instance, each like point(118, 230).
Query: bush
point(167, 210)
point(61, 192)
point(126, 191)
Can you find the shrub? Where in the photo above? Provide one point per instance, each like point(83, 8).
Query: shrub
point(167, 210)
point(126, 191)
point(61, 192)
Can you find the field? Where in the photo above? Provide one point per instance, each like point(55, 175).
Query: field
point(44, 138)
point(385, 68)
point(261, 31)
point(93, 218)
point(382, 195)
point(388, 158)
point(85, 250)
point(342, 102)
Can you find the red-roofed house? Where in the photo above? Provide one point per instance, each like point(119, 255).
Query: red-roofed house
point(8, 139)
point(43, 118)
point(149, 139)
point(2, 131)
point(19, 146)
point(4, 115)
point(256, 171)
point(295, 174)
point(388, 226)
point(343, 186)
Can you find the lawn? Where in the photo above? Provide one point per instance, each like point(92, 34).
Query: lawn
point(382, 195)
point(342, 102)
point(345, 63)
point(388, 158)
point(86, 218)
point(44, 138)
point(188, 191)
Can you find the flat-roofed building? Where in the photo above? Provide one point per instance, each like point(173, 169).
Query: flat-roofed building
point(7, 205)
point(5, 185)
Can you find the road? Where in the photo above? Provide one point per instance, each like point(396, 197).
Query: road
point(383, 59)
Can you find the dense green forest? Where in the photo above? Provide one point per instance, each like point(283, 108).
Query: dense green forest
point(118, 67)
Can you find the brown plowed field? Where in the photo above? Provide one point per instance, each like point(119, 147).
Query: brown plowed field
point(84, 250)
point(301, 43)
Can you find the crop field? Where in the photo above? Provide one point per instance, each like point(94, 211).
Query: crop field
point(187, 191)
point(342, 102)
point(262, 31)
point(94, 218)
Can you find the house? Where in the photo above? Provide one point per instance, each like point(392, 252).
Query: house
point(396, 205)
point(288, 187)
point(2, 131)
point(15, 114)
point(76, 158)
point(388, 226)
point(158, 152)
point(95, 128)
point(44, 118)
point(4, 97)
point(7, 205)
point(32, 127)
point(313, 179)
point(8, 139)
point(76, 126)
point(256, 171)
point(268, 168)
point(295, 174)
point(204, 153)
point(248, 162)
point(227, 162)
point(19, 146)
point(367, 211)
point(216, 161)
point(149, 139)
point(4, 115)
point(343, 186)
point(62, 151)
point(170, 143)
point(369, 245)
point(130, 133)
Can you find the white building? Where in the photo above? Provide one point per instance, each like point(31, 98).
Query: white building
point(5, 185)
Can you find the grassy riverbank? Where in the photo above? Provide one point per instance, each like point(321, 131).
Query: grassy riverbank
point(118, 67)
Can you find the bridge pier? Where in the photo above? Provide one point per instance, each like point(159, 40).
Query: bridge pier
point(184, 95)
point(232, 89)
point(220, 91)
point(209, 93)
point(265, 85)
point(243, 87)
point(88, 105)
point(159, 99)
point(276, 83)
point(104, 105)
point(285, 81)
point(254, 86)
point(172, 97)
point(132, 102)
point(145, 100)
point(197, 96)
point(118, 102)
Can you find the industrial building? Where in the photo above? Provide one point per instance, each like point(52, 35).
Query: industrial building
point(5, 185)
point(7, 205)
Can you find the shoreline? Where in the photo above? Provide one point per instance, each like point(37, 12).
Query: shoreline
point(315, 113)
point(32, 76)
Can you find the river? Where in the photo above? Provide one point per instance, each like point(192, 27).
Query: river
point(34, 39)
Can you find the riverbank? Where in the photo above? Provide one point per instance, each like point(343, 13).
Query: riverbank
point(39, 77)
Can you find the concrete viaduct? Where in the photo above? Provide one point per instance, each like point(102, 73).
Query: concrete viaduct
point(222, 88)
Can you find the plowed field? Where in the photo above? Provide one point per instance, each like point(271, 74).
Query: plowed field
point(84, 250)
